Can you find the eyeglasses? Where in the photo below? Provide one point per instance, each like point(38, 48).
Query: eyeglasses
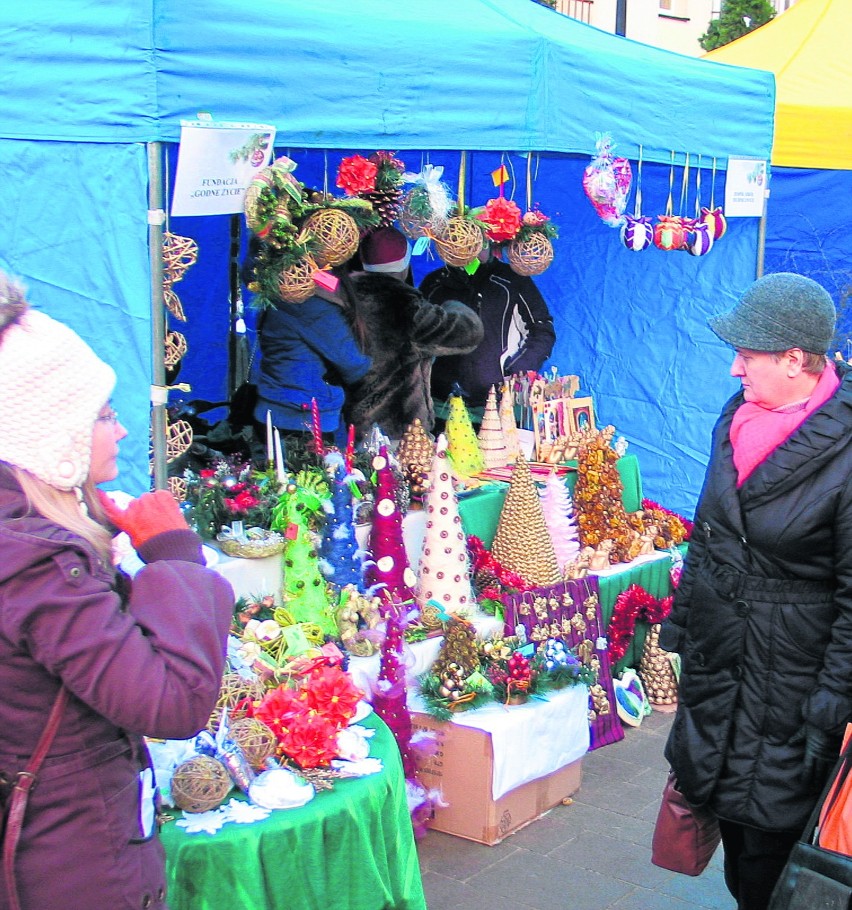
point(112, 417)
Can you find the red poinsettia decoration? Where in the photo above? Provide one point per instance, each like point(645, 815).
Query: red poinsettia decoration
point(310, 740)
point(502, 219)
point(278, 708)
point(331, 693)
point(357, 174)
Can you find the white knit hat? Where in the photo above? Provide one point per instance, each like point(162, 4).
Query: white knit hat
point(52, 387)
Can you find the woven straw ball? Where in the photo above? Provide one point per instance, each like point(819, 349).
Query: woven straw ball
point(531, 256)
point(256, 740)
point(460, 242)
point(337, 235)
point(296, 282)
point(200, 784)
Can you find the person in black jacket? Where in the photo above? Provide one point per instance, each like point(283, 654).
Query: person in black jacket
point(762, 617)
point(518, 326)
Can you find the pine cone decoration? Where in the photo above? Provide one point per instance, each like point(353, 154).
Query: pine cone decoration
point(415, 457)
point(484, 579)
point(387, 204)
point(459, 648)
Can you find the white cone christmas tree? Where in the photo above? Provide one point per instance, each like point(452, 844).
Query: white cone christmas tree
point(490, 436)
point(462, 444)
point(522, 542)
point(511, 438)
point(444, 563)
point(558, 512)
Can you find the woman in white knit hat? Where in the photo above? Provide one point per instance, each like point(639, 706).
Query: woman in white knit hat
point(89, 662)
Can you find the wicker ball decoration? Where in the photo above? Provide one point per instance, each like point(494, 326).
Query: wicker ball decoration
point(235, 690)
point(176, 348)
point(256, 740)
point(172, 302)
point(200, 784)
point(460, 242)
point(178, 439)
point(179, 253)
point(413, 221)
point(336, 233)
point(531, 256)
point(296, 282)
point(255, 218)
point(178, 488)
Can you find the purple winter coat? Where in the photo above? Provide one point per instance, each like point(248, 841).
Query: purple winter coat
point(147, 660)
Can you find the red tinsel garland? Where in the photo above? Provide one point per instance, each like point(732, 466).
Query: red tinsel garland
point(633, 605)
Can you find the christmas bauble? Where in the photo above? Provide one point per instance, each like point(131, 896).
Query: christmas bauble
point(715, 219)
point(699, 240)
point(637, 233)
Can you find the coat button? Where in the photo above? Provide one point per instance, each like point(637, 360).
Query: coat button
point(742, 608)
point(146, 901)
point(161, 895)
point(76, 572)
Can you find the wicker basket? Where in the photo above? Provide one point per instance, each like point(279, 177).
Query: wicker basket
point(460, 242)
point(252, 549)
point(296, 282)
point(531, 256)
point(336, 234)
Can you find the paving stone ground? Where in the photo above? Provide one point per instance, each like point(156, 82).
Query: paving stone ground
point(594, 854)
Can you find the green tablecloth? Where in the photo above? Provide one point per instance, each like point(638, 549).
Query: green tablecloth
point(351, 847)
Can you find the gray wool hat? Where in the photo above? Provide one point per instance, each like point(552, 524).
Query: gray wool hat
point(779, 312)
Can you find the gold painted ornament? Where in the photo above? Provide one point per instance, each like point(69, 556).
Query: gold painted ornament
point(657, 673)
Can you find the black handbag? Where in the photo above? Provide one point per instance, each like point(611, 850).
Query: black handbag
point(815, 877)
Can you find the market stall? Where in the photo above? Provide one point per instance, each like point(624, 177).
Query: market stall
point(127, 76)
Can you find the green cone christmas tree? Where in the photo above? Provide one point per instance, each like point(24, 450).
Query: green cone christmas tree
point(462, 444)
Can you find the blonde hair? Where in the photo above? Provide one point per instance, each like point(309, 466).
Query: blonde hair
point(62, 508)
point(812, 363)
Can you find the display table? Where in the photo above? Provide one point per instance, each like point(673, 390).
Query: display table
point(349, 847)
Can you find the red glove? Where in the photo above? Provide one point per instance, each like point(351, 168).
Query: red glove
point(145, 517)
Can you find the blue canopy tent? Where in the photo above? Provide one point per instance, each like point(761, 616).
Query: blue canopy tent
point(89, 92)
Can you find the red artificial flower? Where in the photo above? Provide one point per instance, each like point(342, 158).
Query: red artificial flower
point(502, 218)
point(241, 503)
point(310, 740)
point(357, 175)
point(330, 692)
point(207, 472)
point(278, 708)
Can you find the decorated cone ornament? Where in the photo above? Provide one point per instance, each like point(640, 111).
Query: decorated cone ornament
point(444, 562)
point(699, 239)
point(511, 437)
point(490, 435)
point(637, 234)
point(464, 451)
point(389, 566)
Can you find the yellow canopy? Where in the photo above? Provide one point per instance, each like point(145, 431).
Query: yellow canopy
point(809, 48)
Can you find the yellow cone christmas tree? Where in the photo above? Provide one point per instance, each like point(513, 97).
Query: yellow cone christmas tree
point(462, 444)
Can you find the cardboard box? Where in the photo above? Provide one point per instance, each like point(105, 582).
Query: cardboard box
point(461, 770)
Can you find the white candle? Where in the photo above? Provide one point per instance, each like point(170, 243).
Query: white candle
point(269, 451)
point(279, 459)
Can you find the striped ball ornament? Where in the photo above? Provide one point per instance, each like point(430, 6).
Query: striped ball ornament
point(715, 219)
point(669, 233)
point(699, 241)
point(637, 233)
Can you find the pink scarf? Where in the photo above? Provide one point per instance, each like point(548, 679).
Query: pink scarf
point(756, 432)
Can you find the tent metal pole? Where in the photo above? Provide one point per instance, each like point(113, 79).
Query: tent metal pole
point(761, 236)
point(159, 392)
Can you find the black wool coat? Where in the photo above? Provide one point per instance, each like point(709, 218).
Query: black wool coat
point(762, 620)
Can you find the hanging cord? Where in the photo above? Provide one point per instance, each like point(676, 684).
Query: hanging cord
point(684, 188)
point(325, 173)
point(698, 190)
point(713, 188)
point(637, 207)
point(462, 179)
point(529, 181)
point(512, 178)
point(671, 185)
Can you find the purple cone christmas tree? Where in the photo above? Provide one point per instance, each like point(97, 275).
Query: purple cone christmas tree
point(388, 566)
point(444, 563)
point(559, 516)
point(340, 557)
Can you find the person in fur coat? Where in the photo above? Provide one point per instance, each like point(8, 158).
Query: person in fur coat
point(117, 658)
point(762, 617)
point(403, 333)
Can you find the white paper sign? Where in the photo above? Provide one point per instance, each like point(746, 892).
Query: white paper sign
point(216, 162)
point(745, 188)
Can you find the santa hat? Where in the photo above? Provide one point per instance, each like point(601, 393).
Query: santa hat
point(385, 250)
point(54, 387)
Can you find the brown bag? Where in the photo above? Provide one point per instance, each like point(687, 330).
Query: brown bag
point(685, 837)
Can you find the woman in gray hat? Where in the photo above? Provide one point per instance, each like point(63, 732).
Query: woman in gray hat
point(762, 617)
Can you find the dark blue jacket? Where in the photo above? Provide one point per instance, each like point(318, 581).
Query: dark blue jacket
point(307, 351)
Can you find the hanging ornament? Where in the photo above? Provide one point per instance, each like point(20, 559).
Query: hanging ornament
point(713, 216)
point(699, 239)
point(462, 238)
point(637, 232)
point(669, 232)
point(606, 181)
point(426, 206)
point(531, 252)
